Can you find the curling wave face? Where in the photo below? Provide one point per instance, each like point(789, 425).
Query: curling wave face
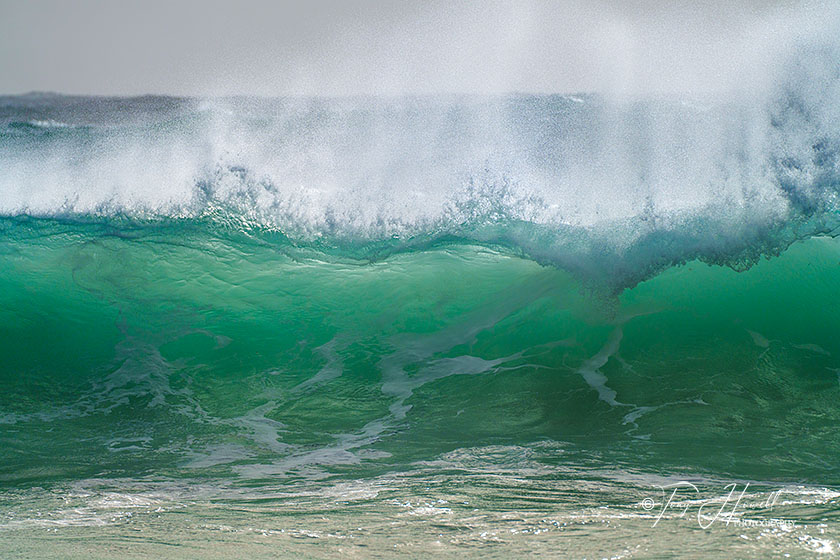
point(185, 347)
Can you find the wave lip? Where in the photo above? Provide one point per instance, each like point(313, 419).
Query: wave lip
point(613, 192)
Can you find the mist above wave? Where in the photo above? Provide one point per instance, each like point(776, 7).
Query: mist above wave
point(602, 186)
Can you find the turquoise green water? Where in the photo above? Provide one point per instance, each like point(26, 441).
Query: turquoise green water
point(185, 378)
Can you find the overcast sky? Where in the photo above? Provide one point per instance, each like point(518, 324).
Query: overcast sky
point(345, 47)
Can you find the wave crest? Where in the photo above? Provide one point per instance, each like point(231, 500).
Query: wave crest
point(612, 191)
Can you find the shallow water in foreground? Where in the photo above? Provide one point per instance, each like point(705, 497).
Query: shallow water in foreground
point(183, 389)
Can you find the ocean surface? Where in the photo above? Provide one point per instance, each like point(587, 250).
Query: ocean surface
point(565, 326)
